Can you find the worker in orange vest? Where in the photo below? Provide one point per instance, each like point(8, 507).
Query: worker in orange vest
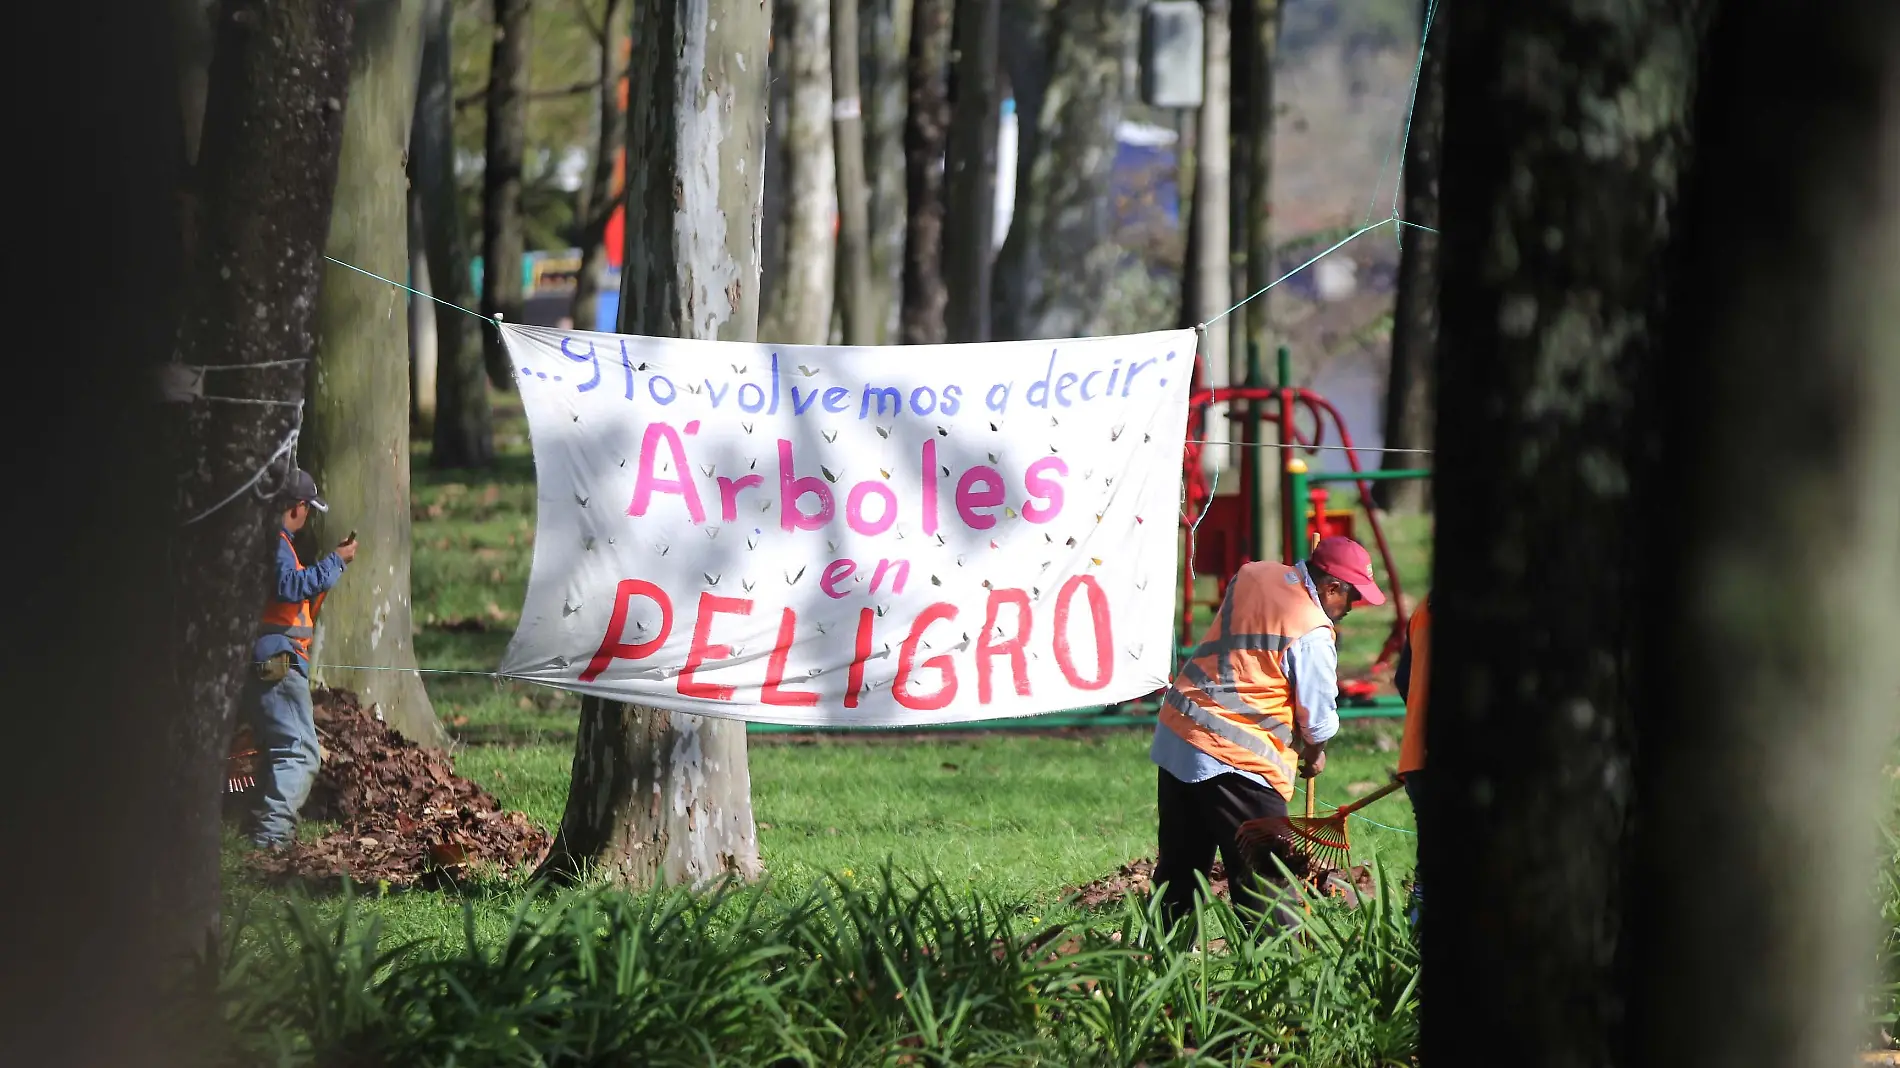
point(1413, 681)
point(281, 715)
point(1251, 710)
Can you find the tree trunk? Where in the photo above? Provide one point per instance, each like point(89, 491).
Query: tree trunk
point(1256, 146)
point(1213, 278)
point(1565, 126)
point(463, 434)
point(422, 349)
point(1408, 391)
point(802, 290)
point(506, 140)
point(857, 304)
point(356, 434)
point(662, 796)
point(192, 43)
point(267, 169)
point(885, 41)
point(1055, 270)
point(105, 882)
point(926, 138)
point(597, 199)
point(970, 171)
point(1773, 689)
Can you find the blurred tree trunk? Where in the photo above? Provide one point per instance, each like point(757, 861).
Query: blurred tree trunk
point(503, 241)
point(970, 171)
point(1773, 691)
point(778, 182)
point(1209, 275)
point(926, 138)
point(356, 436)
point(1566, 124)
point(691, 271)
point(857, 304)
point(885, 42)
point(105, 878)
point(192, 43)
point(267, 169)
point(422, 347)
point(598, 197)
point(1408, 391)
point(800, 306)
point(463, 434)
point(1262, 42)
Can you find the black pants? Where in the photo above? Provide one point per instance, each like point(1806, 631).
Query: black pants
point(1199, 817)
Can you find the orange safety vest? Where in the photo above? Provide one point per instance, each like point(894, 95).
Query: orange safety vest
point(1232, 699)
point(295, 620)
point(1418, 635)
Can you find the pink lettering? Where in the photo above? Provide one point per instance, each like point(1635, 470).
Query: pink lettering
point(649, 482)
point(930, 485)
point(835, 572)
point(970, 498)
point(854, 508)
point(1039, 487)
point(730, 488)
point(792, 488)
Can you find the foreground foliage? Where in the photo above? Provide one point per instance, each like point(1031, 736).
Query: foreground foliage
point(896, 972)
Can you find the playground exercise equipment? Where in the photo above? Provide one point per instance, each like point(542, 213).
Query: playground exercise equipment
point(1226, 530)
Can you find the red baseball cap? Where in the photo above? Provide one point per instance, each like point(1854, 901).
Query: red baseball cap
point(1348, 561)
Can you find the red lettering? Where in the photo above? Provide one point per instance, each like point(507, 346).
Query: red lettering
point(771, 693)
point(703, 650)
point(907, 656)
point(613, 645)
point(854, 678)
point(1018, 663)
point(1104, 636)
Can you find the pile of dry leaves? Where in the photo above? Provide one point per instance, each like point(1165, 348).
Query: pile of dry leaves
point(405, 814)
point(1136, 879)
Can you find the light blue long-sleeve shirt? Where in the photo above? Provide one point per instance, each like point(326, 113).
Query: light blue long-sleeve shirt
point(1312, 670)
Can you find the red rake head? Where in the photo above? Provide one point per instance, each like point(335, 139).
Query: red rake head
point(1323, 838)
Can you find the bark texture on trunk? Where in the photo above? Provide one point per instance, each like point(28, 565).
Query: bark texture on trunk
point(1773, 659)
point(801, 303)
point(1053, 274)
point(463, 433)
point(356, 434)
point(1409, 402)
point(1212, 283)
point(664, 796)
point(1262, 21)
point(598, 197)
point(266, 173)
point(1566, 126)
point(884, 37)
point(926, 138)
point(857, 304)
point(503, 240)
point(970, 170)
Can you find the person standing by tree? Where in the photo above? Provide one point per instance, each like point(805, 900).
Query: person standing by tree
point(1257, 699)
point(281, 714)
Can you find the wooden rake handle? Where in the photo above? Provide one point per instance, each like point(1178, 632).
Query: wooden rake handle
point(1346, 810)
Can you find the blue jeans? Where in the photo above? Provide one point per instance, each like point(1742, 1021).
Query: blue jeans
point(286, 730)
point(1415, 791)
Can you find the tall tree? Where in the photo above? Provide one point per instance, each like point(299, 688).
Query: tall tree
point(422, 351)
point(265, 177)
point(597, 196)
point(503, 242)
point(1209, 279)
point(857, 304)
point(926, 137)
point(1408, 390)
point(691, 270)
point(356, 435)
point(1262, 44)
point(1566, 126)
point(463, 434)
point(970, 170)
point(884, 34)
point(798, 311)
point(1772, 691)
point(86, 917)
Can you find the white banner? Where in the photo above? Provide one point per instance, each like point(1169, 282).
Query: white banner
point(823, 536)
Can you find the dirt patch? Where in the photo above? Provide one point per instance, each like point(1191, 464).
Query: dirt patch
point(405, 814)
point(1136, 879)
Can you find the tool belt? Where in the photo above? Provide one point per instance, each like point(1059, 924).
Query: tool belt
point(273, 670)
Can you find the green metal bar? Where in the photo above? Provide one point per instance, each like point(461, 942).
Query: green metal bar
point(1296, 486)
point(1259, 461)
point(1392, 474)
point(1283, 369)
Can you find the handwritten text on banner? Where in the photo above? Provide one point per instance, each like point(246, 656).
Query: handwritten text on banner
point(814, 535)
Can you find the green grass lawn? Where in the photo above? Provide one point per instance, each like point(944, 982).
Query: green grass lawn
point(1022, 815)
